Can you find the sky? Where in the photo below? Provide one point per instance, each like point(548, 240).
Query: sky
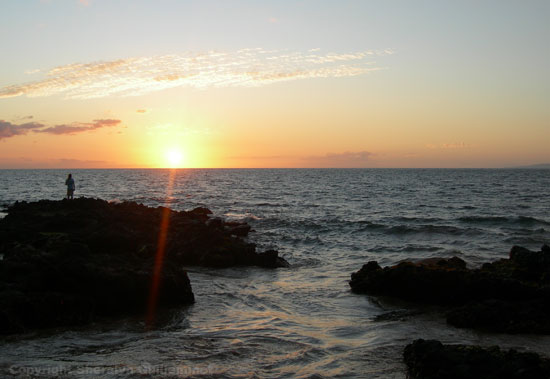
point(274, 83)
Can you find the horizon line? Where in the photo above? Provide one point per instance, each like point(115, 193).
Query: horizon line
point(535, 166)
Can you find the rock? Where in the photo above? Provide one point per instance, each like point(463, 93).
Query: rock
point(238, 228)
point(503, 316)
point(452, 263)
point(434, 284)
point(430, 359)
point(70, 262)
point(510, 295)
point(271, 259)
point(215, 223)
point(200, 212)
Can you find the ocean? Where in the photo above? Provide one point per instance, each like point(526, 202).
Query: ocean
point(302, 321)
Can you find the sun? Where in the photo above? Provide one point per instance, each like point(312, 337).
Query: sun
point(174, 158)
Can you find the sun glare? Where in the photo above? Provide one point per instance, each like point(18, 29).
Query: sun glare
point(174, 158)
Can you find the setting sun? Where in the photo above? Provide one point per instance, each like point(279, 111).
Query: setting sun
point(174, 158)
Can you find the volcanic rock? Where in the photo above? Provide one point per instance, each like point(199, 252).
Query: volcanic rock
point(432, 360)
point(509, 295)
point(70, 262)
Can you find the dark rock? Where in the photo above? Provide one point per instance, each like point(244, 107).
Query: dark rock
point(70, 262)
point(509, 295)
point(215, 223)
point(503, 316)
point(432, 283)
point(200, 212)
point(238, 228)
point(432, 360)
point(271, 259)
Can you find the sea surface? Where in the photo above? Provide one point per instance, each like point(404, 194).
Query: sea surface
point(302, 321)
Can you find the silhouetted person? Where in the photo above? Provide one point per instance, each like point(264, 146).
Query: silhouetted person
point(70, 186)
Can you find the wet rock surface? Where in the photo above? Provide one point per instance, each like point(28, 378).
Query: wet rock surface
point(69, 262)
point(430, 359)
point(510, 295)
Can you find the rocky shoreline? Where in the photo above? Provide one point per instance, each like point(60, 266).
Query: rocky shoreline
point(433, 360)
point(70, 262)
point(507, 296)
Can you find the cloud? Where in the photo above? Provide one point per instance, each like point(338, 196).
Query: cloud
point(142, 111)
point(78, 127)
point(347, 159)
point(7, 129)
point(242, 68)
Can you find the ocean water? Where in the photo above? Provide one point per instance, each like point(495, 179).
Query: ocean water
point(302, 321)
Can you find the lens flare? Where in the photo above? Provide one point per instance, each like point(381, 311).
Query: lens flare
point(159, 257)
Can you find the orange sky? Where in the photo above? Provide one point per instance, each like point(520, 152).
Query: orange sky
point(276, 85)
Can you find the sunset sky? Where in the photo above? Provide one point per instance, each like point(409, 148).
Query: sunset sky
point(135, 83)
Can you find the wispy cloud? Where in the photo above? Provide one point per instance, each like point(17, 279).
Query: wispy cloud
point(78, 127)
point(8, 129)
point(243, 68)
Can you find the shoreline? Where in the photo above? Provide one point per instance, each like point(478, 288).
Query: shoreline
point(71, 261)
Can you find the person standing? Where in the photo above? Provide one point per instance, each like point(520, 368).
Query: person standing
point(70, 186)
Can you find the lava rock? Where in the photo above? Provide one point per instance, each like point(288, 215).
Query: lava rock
point(503, 316)
point(238, 228)
point(70, 262)
point(430, 359)
point(509, 295)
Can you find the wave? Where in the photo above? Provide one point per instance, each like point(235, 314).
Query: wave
point(417, 219)
point(519, 220)
point(335, 225)
point(431, 229)
point(166, 200)
point(408, 248)
point(241, 216)
point(419, 248)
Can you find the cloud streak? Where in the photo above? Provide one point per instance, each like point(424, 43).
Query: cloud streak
point(8, 129)
point(243, 68)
